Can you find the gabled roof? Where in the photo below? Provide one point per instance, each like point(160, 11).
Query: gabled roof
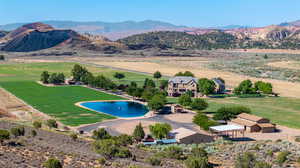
point(182, 133)
point(218, 81)
point(183, 79)
point(250, 117)
point(243, 122)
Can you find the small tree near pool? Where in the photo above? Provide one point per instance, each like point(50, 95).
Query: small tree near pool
point(157, 102)
point(138, 132)
point(160, 130)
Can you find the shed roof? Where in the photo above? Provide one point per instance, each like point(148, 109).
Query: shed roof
point(182, 79)
point(266, 125)
point(222, 128)
point(182, 133)
point(243, 122)
point(250, 117)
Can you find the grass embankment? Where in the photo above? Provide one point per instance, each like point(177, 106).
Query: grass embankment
point(280, 110)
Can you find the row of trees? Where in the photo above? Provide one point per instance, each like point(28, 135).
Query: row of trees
point(54, 78)
point(247, 87)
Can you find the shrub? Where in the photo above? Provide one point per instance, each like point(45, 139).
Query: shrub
point(262, 165)
point(102, 160)
point(298, 160)
point(4, 135)
point(174, 152)
point(246, 160)
point(51, 123)
point(123, 153)
point(282, 157)
point(45, 77)
point(160, 130)
point(297, 139)
point(199, 104)
point(17, 131)
point(106, 147)
point(197, 162)
point(53, 163)
point(185, 100)
point(37, 124)
point(123, 140)
point(101, 134)
point(139, 132)
point(154, 160)
point(2, 58)
point(74, 136)
point(270, 153)
point(33, 133)
point(199, 152)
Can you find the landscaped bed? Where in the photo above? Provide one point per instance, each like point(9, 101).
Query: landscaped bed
point(59, 101)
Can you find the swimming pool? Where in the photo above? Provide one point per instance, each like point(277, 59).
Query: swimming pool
point(123, 109)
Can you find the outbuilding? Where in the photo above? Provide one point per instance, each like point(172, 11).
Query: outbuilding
point(187, 136)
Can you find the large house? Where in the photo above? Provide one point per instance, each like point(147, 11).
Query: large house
point(252, 123)
point(179, 85)
point(182, 84)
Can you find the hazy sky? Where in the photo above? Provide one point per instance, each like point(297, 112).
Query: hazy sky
point(181, 12)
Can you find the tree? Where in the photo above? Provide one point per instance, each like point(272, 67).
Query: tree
point(53, 163)
point(203, 121)
point(263, 87)
point(101, 134)
point(139, 133)
point(227, 113)
point(87, 78)
point(199, 104)
point(37, 124)
point(160, 130)
point(157, 75)
point(197, 162)
point(163, 84)
point(206, 86)
point(185, 100)
point(57, 78)
point(148, 93)
point(51, 123)
point(149, 83)
point(119, 75)
point(45, 77)
point(78, 72)
point(4, 135)
point(245, 87)
point(186, 73)
point(74, 136)
point(17, 131)
point(106, 147)
point(33, 133)
point(157, 102)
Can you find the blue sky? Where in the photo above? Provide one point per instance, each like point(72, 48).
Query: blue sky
point(198, 13)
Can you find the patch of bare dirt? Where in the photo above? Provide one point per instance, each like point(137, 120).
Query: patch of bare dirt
point(285, 64)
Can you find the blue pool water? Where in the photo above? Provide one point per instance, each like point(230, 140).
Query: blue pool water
point(124, 109)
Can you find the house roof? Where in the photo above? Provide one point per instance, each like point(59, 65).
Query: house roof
point(243, 122)
point(182, 133)
point(183, 79)
point(266, 125)
point(218, 81)
point(249, 117)
point(222, 128)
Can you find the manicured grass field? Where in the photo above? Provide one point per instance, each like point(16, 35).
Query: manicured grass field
point(280, 110)
point(59, 101)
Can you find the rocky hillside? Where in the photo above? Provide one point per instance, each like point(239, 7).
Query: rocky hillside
point(270, 37)
point(38, 36)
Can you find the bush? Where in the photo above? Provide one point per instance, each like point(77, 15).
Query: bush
point(298, 160)
point(160, 130)
point(74, 136)
point(102, 160)
point(53, 163)
point(123, 140)
point(154, 160)
point(100, 134)
point(199, 152)
point(37, 124)
point(247, 160)
point(197, 162)
point(123, 153)
point(33, 133)
point(17, 131)
point(282, 157)
point(2, 58)
point(106, 147)
point(174, 152)
point(199, 104)
point(4, 135)
point(297, 139)
point(51, 123)
point(262, 165)
point(185, 100)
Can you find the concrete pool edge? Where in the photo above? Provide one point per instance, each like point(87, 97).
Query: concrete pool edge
point(149, 114)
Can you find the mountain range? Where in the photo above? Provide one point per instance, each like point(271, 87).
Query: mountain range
point(37, 36)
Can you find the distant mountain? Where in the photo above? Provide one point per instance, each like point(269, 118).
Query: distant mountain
point(269, 37)
point(231, 27)
point(111, 30)
point(38, 36)
point(294, 23)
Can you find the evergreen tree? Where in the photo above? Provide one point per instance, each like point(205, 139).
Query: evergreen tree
point(139, 132)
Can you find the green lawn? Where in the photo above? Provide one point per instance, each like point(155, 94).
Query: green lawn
point(280, 110)
point(58, 102)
